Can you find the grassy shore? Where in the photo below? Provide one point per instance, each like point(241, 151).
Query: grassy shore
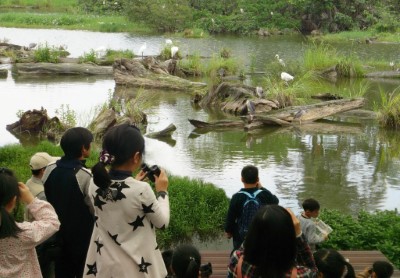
point(361, 37)
point(70, 21)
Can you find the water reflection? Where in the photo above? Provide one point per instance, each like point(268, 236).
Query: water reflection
point(349, 166)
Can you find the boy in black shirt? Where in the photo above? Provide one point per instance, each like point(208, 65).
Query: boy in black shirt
point(236, 208)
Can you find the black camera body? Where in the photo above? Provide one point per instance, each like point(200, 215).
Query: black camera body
point(151, 171)
point(205, 270)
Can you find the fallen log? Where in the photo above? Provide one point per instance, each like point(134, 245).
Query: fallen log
point(62, 69)
point(166, 132)
point(384, 74)
point(296, 115)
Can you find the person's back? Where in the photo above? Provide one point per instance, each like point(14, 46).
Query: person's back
point(235, 225)
point(66, 185)
point(307, 218)
point(331, 264)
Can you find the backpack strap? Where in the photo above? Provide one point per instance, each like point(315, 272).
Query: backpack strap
point(247, 194)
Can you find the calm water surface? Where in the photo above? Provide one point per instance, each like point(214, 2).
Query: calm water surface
point(347, 169)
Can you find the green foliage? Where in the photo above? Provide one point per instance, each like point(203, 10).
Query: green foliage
point(88, 57)
point(368, 231)
point(197, 208)
point(319, 56)
point(192, 64)
point(389, 108)
point(162, 15)
point(111, 55)
point(66, 115)
point(46, 54)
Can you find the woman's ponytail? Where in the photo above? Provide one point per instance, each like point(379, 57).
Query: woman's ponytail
point(193, 268)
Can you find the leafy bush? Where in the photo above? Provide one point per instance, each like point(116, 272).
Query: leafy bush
point(367, 231)
point(197, 208)
point(88, 57)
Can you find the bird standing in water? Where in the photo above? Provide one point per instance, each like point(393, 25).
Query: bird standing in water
point(280, 60)
point(251, 109)
point(142, 49)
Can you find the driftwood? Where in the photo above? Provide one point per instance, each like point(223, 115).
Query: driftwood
point(166, 132)
point(62, 69)
point(384, 74)
point(150, 74)
point(296, 115)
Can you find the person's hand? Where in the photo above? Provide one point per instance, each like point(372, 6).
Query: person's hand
point(296, 222)
point(161, 181)
point(228, 235)
point(141, 175)
point(25, 195)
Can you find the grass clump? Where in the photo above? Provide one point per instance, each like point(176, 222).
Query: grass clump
point(389, 108)
point(111, 55)
point(319, 56)
point(88, 57)
point(47, 54)
point(192, 64)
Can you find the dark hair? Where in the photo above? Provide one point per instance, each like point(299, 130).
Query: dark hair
point(8, 190)
point(270, 243)
point(332, 264)
point(121, 142)
point(186, 261)
point(167, 258)
point(36, 172)
point(250, 174)
point(74, 139)
point(310, 204)
point(382, 269)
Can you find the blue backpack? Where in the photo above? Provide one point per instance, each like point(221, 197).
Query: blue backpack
point(250, 208)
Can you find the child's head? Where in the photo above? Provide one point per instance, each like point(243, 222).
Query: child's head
point(311, 207)
point(39, 162)
point(122, 145)
point(9, 192)
point(382, 269)
point(186, 262)
point(331, 264)
point(75, 142)
point(270, 243)
point(250, 174)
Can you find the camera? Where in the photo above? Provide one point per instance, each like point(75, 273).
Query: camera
point(205, 270)
point(151, 171)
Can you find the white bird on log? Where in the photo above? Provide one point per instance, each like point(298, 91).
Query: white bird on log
point(286, 77)
point(101, 51)
point(391, 64)
point(280, 60)
point(174, 50)
point(142, 49)
point(168, 41)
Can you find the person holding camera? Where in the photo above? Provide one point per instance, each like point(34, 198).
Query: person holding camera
point(127, 211)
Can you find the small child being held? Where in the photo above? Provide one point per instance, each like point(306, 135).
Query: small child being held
point(308, 223)
point(380, 269)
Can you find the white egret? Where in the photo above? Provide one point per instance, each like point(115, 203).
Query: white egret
point(168, 41)
point(142, 49)
point(100, 51)
point(280, 60)
point(174, 50)
point(391, 64)
point(286, 77)
point(241, 10)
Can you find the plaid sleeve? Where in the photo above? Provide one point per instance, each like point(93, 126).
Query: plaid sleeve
point(248, 270)
point(305, 260)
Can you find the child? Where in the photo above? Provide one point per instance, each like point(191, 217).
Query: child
point(186, 262)
point(66, 184)
point(331, 264)
point(18, 240)
point(123, 242)
point(380, 269)
point(236, 211)
point(307, 221)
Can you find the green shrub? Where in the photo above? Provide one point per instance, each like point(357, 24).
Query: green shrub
point(367, 231)
point(389, 108)
point(46, 54)
point(88, 57)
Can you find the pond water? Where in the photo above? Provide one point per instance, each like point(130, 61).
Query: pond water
point(346, 168)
